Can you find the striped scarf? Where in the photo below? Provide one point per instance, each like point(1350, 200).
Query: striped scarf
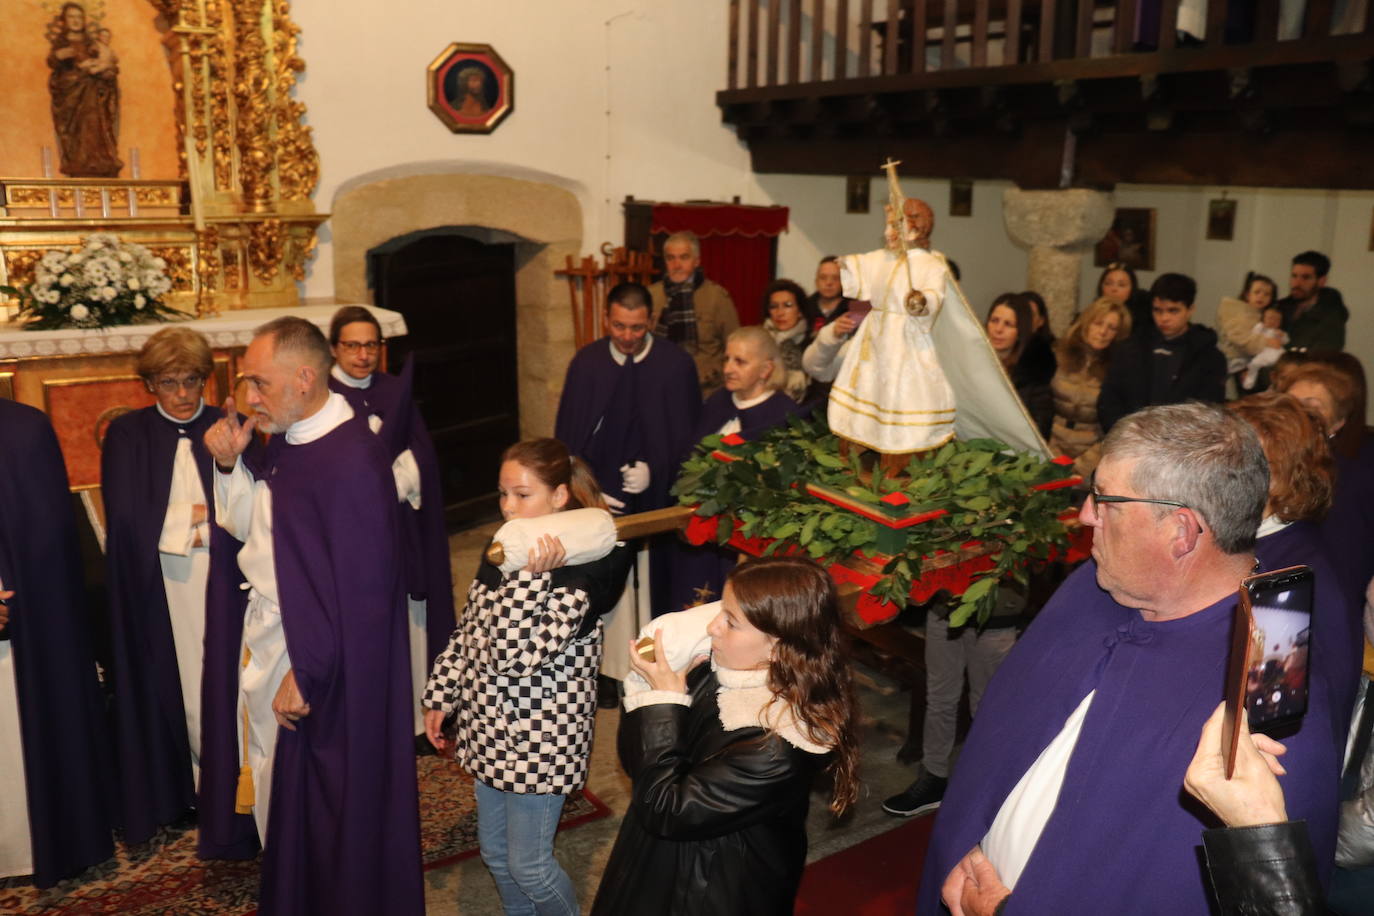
point(678, 322)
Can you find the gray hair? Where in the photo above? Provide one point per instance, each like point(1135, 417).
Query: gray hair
point(298, 337)
point(684, 238)
point(1202, 456)
point(757, 337)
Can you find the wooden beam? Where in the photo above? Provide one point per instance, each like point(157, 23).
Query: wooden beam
point(892, 37)
point(794, 44)
point(947, 34)
point(1083, 33)
point(1047, 31)
point(1011, 44)
point(1318, 21)
point(918, 35)
point(1168, 25)
point(774, 28)
point(1266, 21)
point(979, 54)
point(751, 58)
point(817, 40)
point(1123, 30)
point(732, 49)
point(644, 524)
point(865, 37)
point(1216, 22)
point(842, 39)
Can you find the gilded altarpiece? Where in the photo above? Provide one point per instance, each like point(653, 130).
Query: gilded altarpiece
point(204, 158)
point(228, 167)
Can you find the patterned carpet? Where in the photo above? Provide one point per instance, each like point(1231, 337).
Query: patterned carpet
point(163, 877)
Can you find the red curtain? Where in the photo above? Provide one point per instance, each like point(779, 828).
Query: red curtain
point(736, 246)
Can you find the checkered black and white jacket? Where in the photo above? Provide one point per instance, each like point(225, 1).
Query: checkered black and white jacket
point(521, 672)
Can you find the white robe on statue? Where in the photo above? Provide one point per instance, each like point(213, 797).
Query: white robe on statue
point(185, 571)
point(891, 393)
point(243, 507)
point(406, 471)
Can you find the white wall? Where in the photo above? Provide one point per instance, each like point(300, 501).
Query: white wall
point(617, 97)
point(1272, 225)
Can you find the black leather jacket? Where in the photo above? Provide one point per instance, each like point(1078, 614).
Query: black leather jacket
point(717, 826)
point(1264, 871)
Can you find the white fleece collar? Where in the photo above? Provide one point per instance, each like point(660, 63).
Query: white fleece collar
point(746, 702)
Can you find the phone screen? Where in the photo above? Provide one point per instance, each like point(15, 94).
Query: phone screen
point(1276, 681)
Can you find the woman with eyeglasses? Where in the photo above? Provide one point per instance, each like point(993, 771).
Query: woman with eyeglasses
point(355, 336)
point(160, 539)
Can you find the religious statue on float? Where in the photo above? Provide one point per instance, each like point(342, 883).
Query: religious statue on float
point(891, 394)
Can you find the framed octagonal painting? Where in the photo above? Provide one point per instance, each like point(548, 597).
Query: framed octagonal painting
point(471, 89)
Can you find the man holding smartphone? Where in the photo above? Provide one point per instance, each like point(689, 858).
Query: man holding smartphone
point(1085, 732)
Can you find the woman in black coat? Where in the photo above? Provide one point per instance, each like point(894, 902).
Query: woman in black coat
point(1028, 358)
point(723, 754)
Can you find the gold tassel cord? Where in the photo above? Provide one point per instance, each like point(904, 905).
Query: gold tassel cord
point(245, 795)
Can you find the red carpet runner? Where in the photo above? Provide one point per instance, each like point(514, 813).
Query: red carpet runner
point(878, 877)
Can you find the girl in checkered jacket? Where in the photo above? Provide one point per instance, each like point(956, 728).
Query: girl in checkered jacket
point(520, 675)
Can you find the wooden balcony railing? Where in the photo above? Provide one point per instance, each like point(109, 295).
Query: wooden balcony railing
point(785, 42)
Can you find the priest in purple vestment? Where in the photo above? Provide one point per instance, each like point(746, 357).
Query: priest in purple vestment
point(57, 809)
point(629, 405)
point(1070, 781)
point(385, 401)
point(325, 685)
point(161, 536)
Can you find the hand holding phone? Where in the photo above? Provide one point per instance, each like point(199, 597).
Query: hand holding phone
point(1267, 680)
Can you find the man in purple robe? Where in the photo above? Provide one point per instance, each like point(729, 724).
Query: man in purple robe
point(1070, 779)
point(327, 656)
point(385, 401)
point(630, 402)
point(57, 810)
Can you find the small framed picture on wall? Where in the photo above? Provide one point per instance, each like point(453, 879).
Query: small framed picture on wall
point(960, 197)
point(1131, 240)
point(1221, 219)
point(471, 89)
point(856, 194)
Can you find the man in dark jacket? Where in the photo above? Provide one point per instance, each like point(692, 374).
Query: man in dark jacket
point(1174, 362)
point(1314, 314)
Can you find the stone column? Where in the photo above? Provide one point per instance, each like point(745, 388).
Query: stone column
point(1059, 228)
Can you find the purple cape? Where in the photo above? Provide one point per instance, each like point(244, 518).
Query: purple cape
point(424, 530)
point(150, 717)
point(667, 399)
point(1337, 631)
point(343, 833)
point(67, 762)
point(665, 404)
point(719, 409)
point(1349, 524)
point(699, 572)
point(1124, 836)
point(222, 833)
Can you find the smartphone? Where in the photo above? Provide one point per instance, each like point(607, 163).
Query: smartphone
point(859, 309)
point(1268, 675)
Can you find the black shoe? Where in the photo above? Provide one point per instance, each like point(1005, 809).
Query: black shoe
point(422, 746)
point(920, 797)
point(607, 692)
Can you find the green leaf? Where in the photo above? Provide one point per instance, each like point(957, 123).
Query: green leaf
point(808, 530)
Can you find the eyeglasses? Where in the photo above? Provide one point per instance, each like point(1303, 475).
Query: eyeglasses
point(1096, 498)
point(173, 385)
point(353, 346)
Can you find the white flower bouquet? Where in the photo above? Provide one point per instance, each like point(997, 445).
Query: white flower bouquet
point(104, 283)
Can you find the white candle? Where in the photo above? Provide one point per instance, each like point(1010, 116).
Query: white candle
point(133, 201)
point(104, 203)
point(134, 169)
point(47, 162)
point(80, 203)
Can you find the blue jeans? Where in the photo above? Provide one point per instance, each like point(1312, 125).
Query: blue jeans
point(515, 832)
